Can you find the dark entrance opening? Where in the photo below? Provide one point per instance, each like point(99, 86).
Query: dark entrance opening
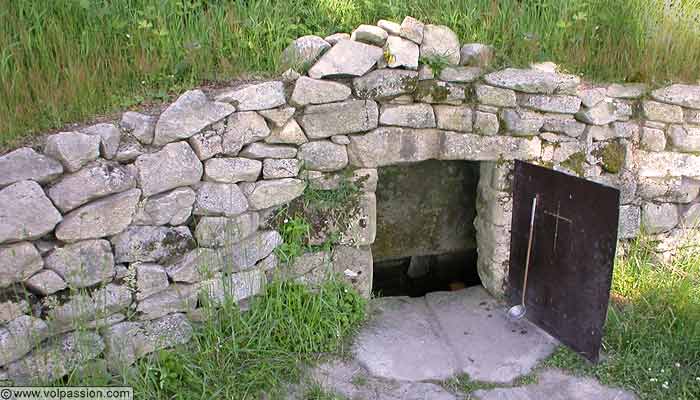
point(426, 239)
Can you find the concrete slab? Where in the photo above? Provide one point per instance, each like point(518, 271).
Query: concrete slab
point(555, 385)
point(487, 345)
point(401, 342)
point(350, 380)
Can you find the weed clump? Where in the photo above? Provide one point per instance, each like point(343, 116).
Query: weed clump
point(246, 355)
point(316, 220)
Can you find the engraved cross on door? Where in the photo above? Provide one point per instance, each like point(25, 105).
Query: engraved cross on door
point(570, 271)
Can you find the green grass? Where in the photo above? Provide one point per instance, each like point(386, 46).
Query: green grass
point(248, 355)
point(652, 339)
point(65, 60)
point(464, 384)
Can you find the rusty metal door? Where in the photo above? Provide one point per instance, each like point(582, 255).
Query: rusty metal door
point(573, 250)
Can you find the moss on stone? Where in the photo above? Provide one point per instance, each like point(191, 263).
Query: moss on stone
point(406, 85)
point(612, 157)
point(431, 89)
point(575, 163)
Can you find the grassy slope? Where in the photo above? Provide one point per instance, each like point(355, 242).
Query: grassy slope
point(63, 60)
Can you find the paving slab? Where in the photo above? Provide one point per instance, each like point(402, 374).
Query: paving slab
point(555, 385)
point(350, 380)
point(409, 345)
point(446, 334)
point(489, 347)
point(401, 342)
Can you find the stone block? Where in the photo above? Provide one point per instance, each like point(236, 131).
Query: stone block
point(388, 145)
point(169, 208)
point(73, 149)
point(219, 199)
point(659, 218)
point(26, 164)
point(159, 244)
point(453, 118)
point(83, 264)
point(533, 81)
point(273, 192)
point(98, 179)
point(181, 163)
point(104, 217)
point(19, 261)
point(326, 120)
point(457, 146)
point(440, 41)
point(222, 231)
point(303, 52)
point(255, 96)
point(408, 115)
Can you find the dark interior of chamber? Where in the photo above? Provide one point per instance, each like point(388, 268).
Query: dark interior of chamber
point(426, 241)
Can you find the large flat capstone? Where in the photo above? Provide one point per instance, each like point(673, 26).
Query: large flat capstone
point(392, 145)
point(353, 382)
point(472, 322)
point(682, 95)
point(346, 58)
point(403, 323)
point(188, 115)
point(555, 385)
point(449, 333)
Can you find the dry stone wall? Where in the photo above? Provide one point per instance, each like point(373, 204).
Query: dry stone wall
point(118, 228)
